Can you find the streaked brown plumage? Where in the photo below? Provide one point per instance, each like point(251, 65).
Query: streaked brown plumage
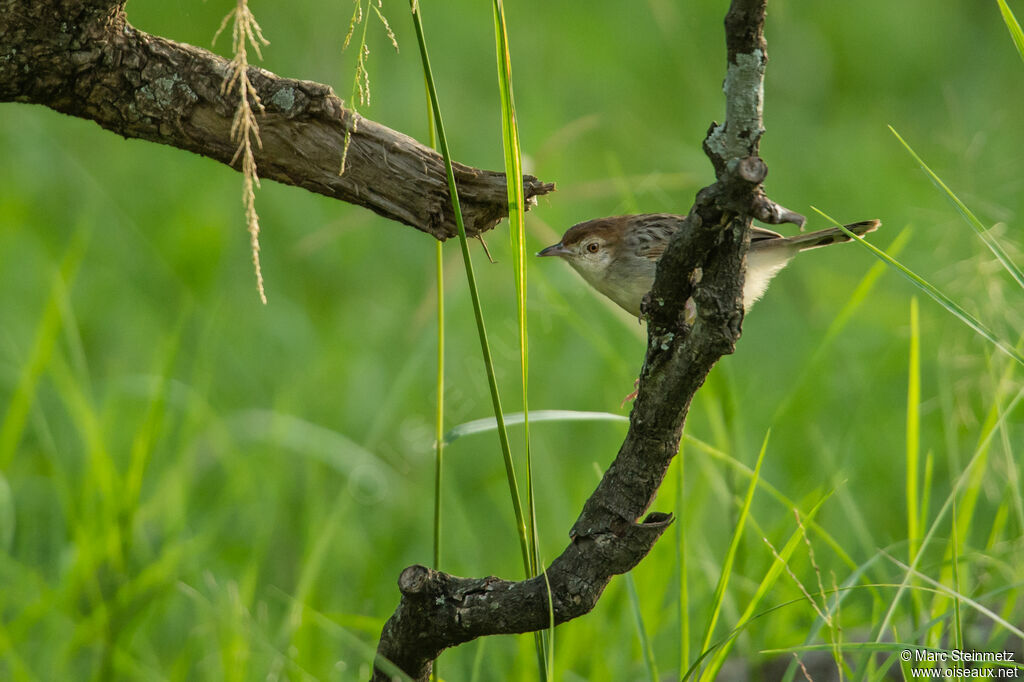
point(618, 255)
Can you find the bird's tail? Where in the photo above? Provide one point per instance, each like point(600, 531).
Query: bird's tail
point(832, 235)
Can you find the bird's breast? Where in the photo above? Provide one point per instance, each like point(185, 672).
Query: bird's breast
point(627, 281)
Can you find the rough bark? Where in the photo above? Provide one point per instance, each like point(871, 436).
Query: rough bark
point(82, 58)
point(694, 315)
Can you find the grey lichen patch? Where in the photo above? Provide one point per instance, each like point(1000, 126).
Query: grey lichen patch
point(716, 141)
point(284, 99)
point(165, 93)
point(744, 89)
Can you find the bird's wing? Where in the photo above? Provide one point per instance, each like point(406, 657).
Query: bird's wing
point(760, 234)
point(650, 237)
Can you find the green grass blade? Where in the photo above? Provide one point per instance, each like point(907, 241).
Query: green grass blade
point(926, 489)
point(478, 660)
point(12, 426)
point(313, 563)
point(774, 492)
point(965, 511)
point(7, 516)
point(913, 453)
point(147, 435)
point(977, 606)
point(993, 420)
point(516, 198)
point(641, 629)
point(548, 671)
point(939, 297)
point(958, 627)
point(485, 348)
point(517, 234)
point(1013, 25)
point(1012, 466)
point(681, 562)
point(439, 409)
point(486, 424)
point(730, 557)
point(99, 527)
point(766, 584)
point(366, 651)
point(969, 473)
point(843, 591)
point(439, 399)
point(968, 215)
point(307, 439)
point(823, 349)
point(913, 442)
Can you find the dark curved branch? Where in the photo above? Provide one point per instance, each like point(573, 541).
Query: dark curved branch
point(438, 610)
point(694, 316)
point(82, 58)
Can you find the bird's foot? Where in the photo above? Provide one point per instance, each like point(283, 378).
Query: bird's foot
point(632, 396)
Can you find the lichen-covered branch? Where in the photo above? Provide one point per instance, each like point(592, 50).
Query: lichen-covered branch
point(82, 58)
point(694, 315)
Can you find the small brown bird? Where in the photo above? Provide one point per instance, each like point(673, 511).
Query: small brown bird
point(617, 256)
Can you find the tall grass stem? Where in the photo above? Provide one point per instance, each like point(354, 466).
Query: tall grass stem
point(473, 291)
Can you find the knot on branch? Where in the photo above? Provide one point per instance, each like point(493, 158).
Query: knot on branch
point(415, 581)
point(612, 544)
point(750, 169)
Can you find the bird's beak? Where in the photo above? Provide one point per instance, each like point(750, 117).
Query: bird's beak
point(554, 250)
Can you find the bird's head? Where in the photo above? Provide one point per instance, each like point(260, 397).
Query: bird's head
point(590, 247)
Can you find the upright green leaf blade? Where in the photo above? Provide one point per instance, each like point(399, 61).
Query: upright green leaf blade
point(939, 297)
point(730, 557)
point(968, 215)
point(485, 347)
point(1013, 25)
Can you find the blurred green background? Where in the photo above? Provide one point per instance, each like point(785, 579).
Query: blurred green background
point(197, 487)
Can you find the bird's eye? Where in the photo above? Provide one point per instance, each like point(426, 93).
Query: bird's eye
point(593, 247)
